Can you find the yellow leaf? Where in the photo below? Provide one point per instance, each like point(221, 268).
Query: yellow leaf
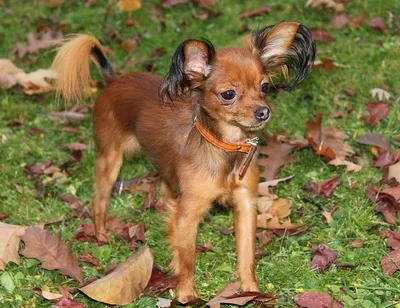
point(125, 283)
point(129, 5)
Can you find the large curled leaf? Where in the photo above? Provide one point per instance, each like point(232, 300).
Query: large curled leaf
point(9, 243)
point(125, 283)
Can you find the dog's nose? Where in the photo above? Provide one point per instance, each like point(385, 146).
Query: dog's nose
point(262, 114)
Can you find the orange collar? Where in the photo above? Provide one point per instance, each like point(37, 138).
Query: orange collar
point(249, 146)
point(243, 147)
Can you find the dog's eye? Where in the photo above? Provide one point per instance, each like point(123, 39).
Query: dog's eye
point(265, 88)
point(228, 95)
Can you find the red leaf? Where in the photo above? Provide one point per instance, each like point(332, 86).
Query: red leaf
point(44, 246)
point(16, 123)
point(256, 12)
point(340, 20)
point(378, 111)
point(264, 238)
point(159, 282)
point(384, 160)
point(327, 187)
point(320, 34)
point(39, 169)
point(390, 262)
point(71, 130)
point(3, 216)
point(88, 258)
point(377, 24)
point(35, 131)
point(316, 300)
point(323, 257)
point(375, 140)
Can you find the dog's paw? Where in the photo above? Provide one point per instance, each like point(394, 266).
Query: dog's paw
point(185, 295)
point(102, 239)
point(250, 286)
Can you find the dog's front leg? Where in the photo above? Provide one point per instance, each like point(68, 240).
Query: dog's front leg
point(245, 230)
point(191, 210)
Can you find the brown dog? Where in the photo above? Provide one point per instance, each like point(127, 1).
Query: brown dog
point(197, 126)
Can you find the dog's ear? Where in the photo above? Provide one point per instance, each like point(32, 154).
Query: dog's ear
point(287, 48)
point(190, 66)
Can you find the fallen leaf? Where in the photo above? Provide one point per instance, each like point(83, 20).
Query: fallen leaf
point(313, 299)
point(323, 258)
point(384, 160)
point(47, 295)
point(349, 165)
point(394, 192)
point(321, 35)
point(278, 155)
point(160, 282)
point(327, 187)
point(328, 214)
point(227, 231)
point(292, 232)
point(3, 216)
point(76, 146)
point(264, 238)
point(374, 139)
point(348, 92)
point(231, 294)
point(394, 172)
point(71, 130)
point(380, 94)
point(255, 12)
point(88, 258)
point(335, 5)
point(393, 240)
point(266, 221)
point(16, 123)
point(129, 5)
point(39, 169)
point(9, 243)
point(70, 116)
point(35, 131)
point(68, 303)
point(378, 111)
point(340, 20)
point(357, 22)
point(134, 272)
point(85, 233)
point(37, 42)
point(377, 24)
point(327, 64)
point(163, 302)
point(390, 262)
point(168, 3)
point(357, 243)
point(49, 249)
point(263, 187)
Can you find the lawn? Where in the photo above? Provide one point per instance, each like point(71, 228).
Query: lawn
point(370, 59)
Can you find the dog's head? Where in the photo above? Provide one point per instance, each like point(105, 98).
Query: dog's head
point(234, 81)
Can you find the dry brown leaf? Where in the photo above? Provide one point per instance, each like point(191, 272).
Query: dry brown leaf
point(394, 172)
point(280, 208)
point(9, 243)
point(264, 203)
point(263, 187)
point(327, 64)
point(336, 5)
point(278, 155)
point(349, 165)
point(378, 111)
point(125, 283)
point(374, 139)
point(390, 262)
point(266, 221)
point(129, 5)
point(340, 20)
point(54, 254)
point(316, 300)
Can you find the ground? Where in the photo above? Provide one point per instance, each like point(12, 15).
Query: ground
point(371, 60)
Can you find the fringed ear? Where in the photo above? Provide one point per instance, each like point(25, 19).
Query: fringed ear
point(287, 48)
point(190, 65)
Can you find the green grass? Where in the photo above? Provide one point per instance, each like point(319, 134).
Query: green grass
point(285, 271)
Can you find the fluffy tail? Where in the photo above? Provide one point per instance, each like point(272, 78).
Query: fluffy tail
point(72, 65)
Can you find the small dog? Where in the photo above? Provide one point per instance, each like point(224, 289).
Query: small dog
point(197, 126)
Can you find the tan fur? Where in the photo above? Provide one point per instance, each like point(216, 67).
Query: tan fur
point(129, 115)
point(72, 65)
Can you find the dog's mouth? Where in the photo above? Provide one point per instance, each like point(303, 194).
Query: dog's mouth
point(256, 127)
